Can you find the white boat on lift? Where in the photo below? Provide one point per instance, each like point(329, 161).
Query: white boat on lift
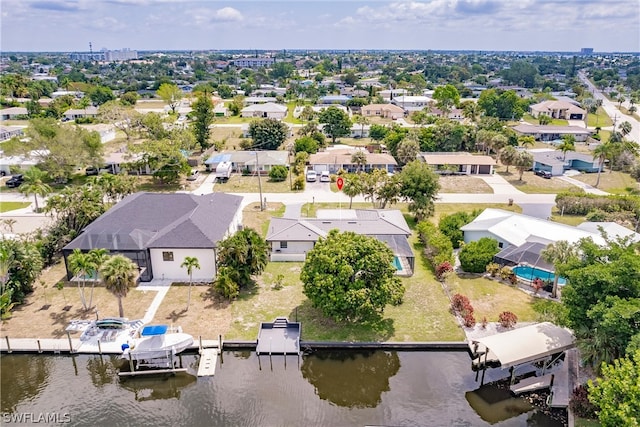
point(157, 342)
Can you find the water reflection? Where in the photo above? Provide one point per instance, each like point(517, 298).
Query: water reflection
point(158, 387)
point(103, 370)
point(24, 377)
point(351, 379)
point(495, 405)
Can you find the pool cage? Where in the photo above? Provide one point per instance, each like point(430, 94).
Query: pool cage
point(527, 254)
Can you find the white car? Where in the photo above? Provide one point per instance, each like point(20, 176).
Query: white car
point(325, 176)
point(312, 176)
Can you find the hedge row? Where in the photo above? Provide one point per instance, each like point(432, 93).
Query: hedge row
point(572, 203)
point(437, 246)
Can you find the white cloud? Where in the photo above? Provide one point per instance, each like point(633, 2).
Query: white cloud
point(227, 14)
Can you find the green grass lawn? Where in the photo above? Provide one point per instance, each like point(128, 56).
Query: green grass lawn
point(611, 181)
point(253, 217)
point(489, 298)
point(290, 119)
point(451, 208)
point(600, 119)
point(249, 184)
point(11, 206)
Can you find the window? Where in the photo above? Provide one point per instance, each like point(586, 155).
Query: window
point(167, 256)
point(500, 245)
point(283, 245)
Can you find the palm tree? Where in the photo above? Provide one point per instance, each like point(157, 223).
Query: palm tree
point(81, 265)
point(558, 253)
point(601, 153)
point(362, 121)
point(352, 187)
point(625, 128)
point(119, 274)
point(523, 162)
point(526, 141)
point(568, 144)
point(508, 156)
point(97, 257)
point(190, 262)
point(359, 158)
point(34, 184)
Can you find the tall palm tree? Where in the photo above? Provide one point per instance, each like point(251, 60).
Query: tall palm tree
point(508, 156)
point(601, 153)
point(119, 274)
point(190, 262)
point(558, 253)
point(362, 121)
point(97, 257)
point(81, 265)
point(523, 162)
point(352, 187)
point(526, 141)
point(34, 184)
point(359, 158)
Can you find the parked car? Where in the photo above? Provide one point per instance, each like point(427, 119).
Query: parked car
point(15, 181)
point(543, 174)
point(91, 171)
point(312, 176)
point(325, 176)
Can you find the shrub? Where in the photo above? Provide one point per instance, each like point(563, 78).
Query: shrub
point(460, 304)
point(437, 247)
point(475, 256)
point(506, 272)
point(493, 269)
point(298, 183)
point(507, 319)
point(597, 215)
point(450, 226)
point(580, 404)
point(442, 269)
point(278, 173)
point(469, 321)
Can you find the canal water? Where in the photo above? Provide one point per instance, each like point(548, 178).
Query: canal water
point(328, 388)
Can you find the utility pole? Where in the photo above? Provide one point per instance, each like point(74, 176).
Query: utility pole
point(259, 181)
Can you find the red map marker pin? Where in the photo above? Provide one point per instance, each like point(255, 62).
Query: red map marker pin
point(340, 183)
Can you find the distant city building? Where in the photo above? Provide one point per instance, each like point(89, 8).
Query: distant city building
point(105, 55)
point(586, 51)
point(253, 62)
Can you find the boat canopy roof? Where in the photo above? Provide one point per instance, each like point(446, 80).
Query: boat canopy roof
point(154, 330)
point(527, 344)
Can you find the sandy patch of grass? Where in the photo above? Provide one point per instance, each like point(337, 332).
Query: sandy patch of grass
point(249, 184)
point(47, 311)
point(489, 298)
point(533, 184)
point(463, 184)
point(253, 217)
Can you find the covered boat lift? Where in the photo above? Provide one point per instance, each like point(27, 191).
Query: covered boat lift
point(544, 342)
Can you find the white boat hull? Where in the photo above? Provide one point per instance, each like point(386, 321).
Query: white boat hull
point(159, 346)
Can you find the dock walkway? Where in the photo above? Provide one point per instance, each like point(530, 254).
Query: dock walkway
point(279, 337)
point(531, 384)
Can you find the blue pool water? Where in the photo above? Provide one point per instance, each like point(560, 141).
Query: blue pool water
point(397, 264)
point(530, 273)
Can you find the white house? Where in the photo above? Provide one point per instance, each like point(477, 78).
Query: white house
point(267, 110)
point(158, 230)
point(558, 110)
point(74, 113)
point(412, 103)
point(8, 132)
point(13, 113)
point(107, 132)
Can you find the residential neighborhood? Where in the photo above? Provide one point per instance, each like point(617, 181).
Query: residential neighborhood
point(387, 200)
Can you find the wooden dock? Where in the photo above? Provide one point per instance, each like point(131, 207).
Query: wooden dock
point(208, 361)
point(532, 384)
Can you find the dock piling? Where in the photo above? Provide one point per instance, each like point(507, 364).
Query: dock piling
point(200, 341)
point(39, 346)
point(6, 337)
point(99, 348)
point(70, 343)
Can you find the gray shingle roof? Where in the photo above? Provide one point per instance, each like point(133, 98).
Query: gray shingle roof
point(148, 220)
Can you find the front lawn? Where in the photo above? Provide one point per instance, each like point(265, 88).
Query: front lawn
point(12, 206)
point(253, 217)
point(611, 181)
point(249, 184)
point(533, 184)
point(463, 184)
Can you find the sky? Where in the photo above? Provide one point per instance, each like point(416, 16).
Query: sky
point(521, 25)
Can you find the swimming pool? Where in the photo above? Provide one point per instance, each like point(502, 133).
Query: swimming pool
point(397, 264)
point(530, 273)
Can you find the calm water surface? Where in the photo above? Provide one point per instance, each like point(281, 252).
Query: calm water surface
point(325, 389)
